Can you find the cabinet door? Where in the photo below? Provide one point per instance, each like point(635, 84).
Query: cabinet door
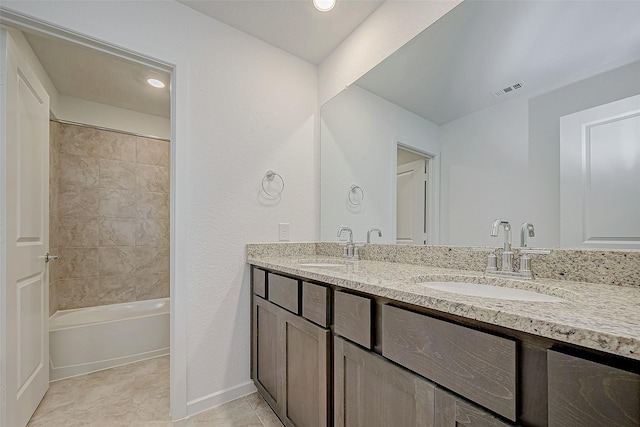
point(307, 363)
point(371, 391)
point(291, 365)
point(586, 393)
point(452, 411)
point(267, 352)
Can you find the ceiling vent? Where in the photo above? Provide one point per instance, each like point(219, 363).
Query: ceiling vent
point(506, 90)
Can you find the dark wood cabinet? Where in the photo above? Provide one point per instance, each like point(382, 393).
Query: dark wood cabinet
point(585, 393)
point(291, 365)
point(474, 364)
point(374, 392)
point(452, 411)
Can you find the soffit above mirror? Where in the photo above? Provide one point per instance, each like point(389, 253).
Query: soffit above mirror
point(294, 26)
point(455, 66)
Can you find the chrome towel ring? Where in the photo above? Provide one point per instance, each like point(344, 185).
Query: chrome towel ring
point(355, 195)
point(272, 183)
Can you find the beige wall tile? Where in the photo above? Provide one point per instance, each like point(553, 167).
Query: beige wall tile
point(116, 261)
point(77, 232)
point(117, 146)
point(117, 174)
point(117, 203)
point(117, 289)
point(152, 178)
point(53, 231)
point(79, 140)
point(152, 232)
point(77, 293)
point(152, 205)
point(78, 170)
point(151, 286)
point(117, 231)
point(152, 151)
point(151, 260)
point(77, 263)
point(78, 201)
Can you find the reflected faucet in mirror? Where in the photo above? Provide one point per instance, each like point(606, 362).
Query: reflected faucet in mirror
point(526, 229)
point(371, 230)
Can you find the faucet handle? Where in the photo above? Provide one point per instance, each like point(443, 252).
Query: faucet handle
point(492, 259)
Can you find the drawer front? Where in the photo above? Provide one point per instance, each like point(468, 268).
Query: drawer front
point(353, 318)
point(586, 393)
point(259, 279)
point(285, 292)
point(476, 365)
point(315, 303)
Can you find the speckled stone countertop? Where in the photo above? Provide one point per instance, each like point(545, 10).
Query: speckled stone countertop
point(603, 317)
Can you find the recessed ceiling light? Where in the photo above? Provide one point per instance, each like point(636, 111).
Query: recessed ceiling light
point(324, 5)
point(156, 83)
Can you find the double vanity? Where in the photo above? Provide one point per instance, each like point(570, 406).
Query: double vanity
point(422, 336)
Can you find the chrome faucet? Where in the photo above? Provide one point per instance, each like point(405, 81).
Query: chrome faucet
point(507, 254)
point(372, 230)
point(526, 228)
point(349, 248)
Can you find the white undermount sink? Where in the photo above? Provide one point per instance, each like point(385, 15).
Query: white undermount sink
point(489, 291)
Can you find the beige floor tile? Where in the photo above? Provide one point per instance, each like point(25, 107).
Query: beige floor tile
point(137, 395)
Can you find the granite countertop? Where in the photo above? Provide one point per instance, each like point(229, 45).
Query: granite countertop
point(596, 316)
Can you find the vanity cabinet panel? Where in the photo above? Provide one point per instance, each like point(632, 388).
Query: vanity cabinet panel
point(291, 365)
point(353, 318)
point(259, 280)
point(585, 393)
point(285, 292)
point(315, 303)
point(268, 355)
point(374, 392)
point(307, 369)
point(474, 364)
point(451, 411)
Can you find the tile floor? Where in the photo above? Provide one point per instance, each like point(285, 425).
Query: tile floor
point(137, 395)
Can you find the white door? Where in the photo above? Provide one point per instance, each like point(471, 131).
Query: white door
point(411, 208)
point(25, 283)
point(600, 176)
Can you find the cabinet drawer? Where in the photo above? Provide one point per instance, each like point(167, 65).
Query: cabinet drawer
point(586, 393)
point(315, 303)
point(259, 279)
point(353, 318)
point(476, 365)
point(285, 292)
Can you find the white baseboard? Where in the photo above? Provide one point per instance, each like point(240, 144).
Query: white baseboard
point(218, 398)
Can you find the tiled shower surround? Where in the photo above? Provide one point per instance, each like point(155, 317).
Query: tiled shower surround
point(109, 219)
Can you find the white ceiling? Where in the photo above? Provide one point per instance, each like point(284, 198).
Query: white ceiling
point(88, 74)
point(450, 70)
point(294, 26)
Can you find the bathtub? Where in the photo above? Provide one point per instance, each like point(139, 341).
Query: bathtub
point(94, 338)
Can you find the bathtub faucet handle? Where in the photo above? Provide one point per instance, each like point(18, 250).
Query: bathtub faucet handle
point(48, 257)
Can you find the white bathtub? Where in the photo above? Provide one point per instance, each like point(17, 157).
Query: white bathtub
point(94, 338)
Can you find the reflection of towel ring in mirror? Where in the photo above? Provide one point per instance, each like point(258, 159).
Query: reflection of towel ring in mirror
point(356, 195)
point(267, 182)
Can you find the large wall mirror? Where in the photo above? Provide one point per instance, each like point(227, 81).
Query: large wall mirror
point(480, 97)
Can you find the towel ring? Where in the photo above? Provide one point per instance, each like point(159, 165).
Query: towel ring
point(355, 195)
point(268, 179)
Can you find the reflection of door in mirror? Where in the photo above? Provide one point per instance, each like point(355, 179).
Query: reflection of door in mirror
point(411, 197)
point(599, 163)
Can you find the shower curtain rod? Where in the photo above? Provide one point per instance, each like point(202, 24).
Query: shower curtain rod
point(67, 122)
